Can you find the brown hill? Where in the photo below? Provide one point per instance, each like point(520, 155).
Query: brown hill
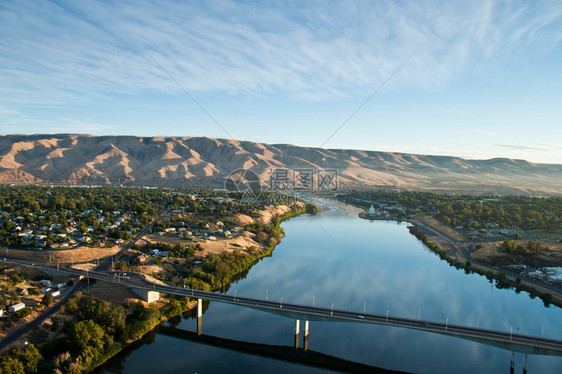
point(206, 162)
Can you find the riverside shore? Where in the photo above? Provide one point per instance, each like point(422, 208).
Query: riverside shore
point(457, 250)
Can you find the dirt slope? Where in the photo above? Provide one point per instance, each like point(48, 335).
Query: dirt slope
point(206, 162)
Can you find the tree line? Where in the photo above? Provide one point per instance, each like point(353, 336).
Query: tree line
point(470, 211)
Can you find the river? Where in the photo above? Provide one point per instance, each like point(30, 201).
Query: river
point(355, 264)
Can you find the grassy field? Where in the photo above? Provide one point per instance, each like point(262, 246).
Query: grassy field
point(80, 254)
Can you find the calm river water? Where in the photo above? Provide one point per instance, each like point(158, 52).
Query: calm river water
point(317, 262)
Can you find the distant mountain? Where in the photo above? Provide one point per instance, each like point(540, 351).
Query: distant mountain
point(206, 162)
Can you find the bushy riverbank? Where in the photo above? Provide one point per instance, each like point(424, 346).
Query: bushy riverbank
point(219, 270)
point(100, 330)
point(500, 278)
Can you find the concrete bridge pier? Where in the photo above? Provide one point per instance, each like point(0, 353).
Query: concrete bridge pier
point(199, 316)
point(512, 364)
point(525, 363)
point(297, 332)
point(146, 295)
point(306, 335)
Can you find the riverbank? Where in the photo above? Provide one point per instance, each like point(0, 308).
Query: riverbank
point(366, 215)
point(458, 254)
point(218, 270)
point(139, 320)
point(310, 268)
point(456, 250)
point(239, 263)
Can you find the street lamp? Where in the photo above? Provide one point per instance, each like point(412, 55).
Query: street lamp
point(281, 305)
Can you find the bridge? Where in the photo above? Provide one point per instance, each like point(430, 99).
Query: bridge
point(507, 340)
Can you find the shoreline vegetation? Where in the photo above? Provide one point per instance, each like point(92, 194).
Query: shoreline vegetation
point(502, 278)
point(100, 329)
point(219, 270)
point(95, 330)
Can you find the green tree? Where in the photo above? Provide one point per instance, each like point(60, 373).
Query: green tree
point(16, 278)
point(71, 306)
point(10, 365)
point(115, 319)
point(533, 246)
point(508, 246)
point(29, 357)
point(85, 334)
point(47, 299)
point(174, 308)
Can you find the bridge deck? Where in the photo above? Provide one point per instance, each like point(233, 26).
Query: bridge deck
point(507, 340)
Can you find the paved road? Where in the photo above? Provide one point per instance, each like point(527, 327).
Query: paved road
point(105, 265)
point(45, 313)
point(23, 329)
point(517, 342)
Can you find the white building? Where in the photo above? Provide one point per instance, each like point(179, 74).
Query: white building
point(372, 210)
point(16, 307)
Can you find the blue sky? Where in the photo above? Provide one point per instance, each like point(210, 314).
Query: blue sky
point(482, 79)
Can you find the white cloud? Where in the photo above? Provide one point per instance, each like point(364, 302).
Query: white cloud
point(20, 123)
point(486, 132)
point(315, 51)
point(539, 153)
point(7, 112)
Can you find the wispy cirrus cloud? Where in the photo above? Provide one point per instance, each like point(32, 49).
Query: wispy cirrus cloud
point(18, 123)
point(63, 52)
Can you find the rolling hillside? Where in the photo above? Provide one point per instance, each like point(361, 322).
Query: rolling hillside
point(205, 162)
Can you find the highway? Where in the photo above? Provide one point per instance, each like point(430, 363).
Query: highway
point(23, 329)
point(507, 340)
